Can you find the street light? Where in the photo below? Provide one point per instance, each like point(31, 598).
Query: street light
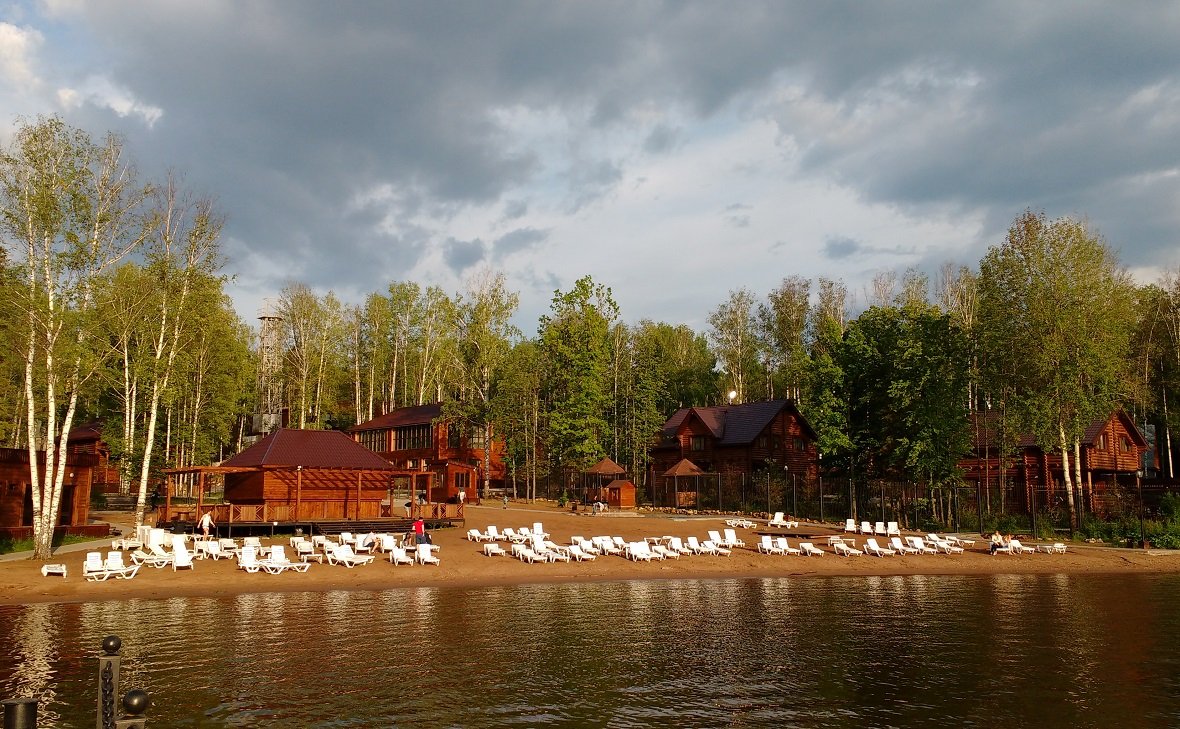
point(1139, 483)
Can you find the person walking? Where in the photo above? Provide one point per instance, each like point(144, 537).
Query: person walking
point(207, 524)
point(505, 501)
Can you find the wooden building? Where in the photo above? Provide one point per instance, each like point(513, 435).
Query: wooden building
point(86, 439)
point(603, 482)
point(736, 441)
point(16, 493)
point(421, 438)
point(298, 476)
point(1112, 449)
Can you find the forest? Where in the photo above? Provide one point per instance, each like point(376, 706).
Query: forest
point(115, 293)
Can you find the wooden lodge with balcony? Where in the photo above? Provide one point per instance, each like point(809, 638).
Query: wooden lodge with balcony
point(1112, 451)
point(421, 439)
point(729, 441)
point(307, 477)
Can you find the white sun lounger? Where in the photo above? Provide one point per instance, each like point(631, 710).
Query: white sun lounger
point(845, 550)
point(850, 525)
point(344, 555)
point(781, 543)
point(810, 550)
point(871, 547)
point(895, 543)
point(423, 555)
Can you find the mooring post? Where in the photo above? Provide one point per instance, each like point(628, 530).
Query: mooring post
point(108, 681)
point(20, 713)
point(135, 702)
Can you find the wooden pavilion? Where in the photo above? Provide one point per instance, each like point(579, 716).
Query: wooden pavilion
point(305, 476)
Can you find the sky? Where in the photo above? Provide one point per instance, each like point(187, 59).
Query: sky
point(674, 151)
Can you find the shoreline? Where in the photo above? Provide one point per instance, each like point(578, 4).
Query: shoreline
point(464, 566)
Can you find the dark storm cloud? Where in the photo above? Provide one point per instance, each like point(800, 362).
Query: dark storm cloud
point(518, 240)
point(461, 255)
point(342, 139)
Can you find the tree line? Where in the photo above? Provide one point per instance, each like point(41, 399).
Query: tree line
point(114, 289)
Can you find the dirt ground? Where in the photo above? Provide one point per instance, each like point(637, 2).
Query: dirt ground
point(463, 563)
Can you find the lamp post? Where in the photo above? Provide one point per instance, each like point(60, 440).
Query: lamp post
point(1139, 484)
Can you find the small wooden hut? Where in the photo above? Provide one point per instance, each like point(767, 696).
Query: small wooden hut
point(687, 498)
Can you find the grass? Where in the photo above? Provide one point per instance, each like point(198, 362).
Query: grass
point(8, 546)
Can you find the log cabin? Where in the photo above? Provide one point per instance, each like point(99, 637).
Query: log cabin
point(16, 494)
point(1112, 450)
point(735, 440)
point(421, 438)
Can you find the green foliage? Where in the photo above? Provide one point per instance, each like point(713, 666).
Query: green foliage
point(575, 339)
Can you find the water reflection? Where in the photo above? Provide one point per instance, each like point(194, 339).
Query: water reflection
point(815, 652)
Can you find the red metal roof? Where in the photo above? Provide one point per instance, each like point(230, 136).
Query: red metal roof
point(606, 467)
point(415, 415)
point(328, 449)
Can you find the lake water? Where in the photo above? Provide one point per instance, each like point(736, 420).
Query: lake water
point(996, 651)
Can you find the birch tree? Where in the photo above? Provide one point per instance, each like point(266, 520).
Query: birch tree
point(732, 333)
point(482, 321)
point(69, 211)
point(1056, 313)
point(184, 248)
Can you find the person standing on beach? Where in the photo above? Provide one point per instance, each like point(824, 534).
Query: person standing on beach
point(207, 523)
point(505, 501)
point(462, 497)
point(419, 531)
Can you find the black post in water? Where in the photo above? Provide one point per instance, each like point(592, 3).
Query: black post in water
point(20, 714)
point(108, 682)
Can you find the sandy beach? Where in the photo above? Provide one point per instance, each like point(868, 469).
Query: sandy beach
point(463, 563)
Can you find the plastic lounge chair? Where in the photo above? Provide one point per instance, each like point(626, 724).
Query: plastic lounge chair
point(365, 543)
point(695, 546)
point(714, 548)
point(959, 541)
point(555, 552)
point(731, 539)
point(1055, 548)
point(871, 547)
point(117, 569)
point(638, 551)
point(766, 546)
point(181, 557)
point(866, 528)
point(1018, 548)
point(896, 545)
point(423, 555)
point(344, 555)
point(539, 530)
point(397, 556)
point(778, 520)
point(879, 529)
point(94, 569)
point(580, 554)
point(248, 560)
point(662, 552)
point(475, 535)
point(850, 526)
point(305, 552)
point(844, 550)
point(511, 535)
point(920, 546)
point(947, 547)
point(810, 550)
point(892, 529)
point(278, 562)
point(606, 545)
point(494, 533)
point(491, 549)
point(676, 544)
point(781, 543)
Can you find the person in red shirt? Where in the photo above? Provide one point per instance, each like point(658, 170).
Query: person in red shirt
point(420, 531)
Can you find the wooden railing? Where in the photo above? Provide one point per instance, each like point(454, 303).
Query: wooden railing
point(308, 511)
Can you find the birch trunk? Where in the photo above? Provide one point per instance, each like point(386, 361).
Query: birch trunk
point(1065, 475)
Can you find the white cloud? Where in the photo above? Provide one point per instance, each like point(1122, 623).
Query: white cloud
point(17, 47)
point(101, 92)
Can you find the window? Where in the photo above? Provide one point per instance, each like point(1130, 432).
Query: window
point(412, 437)
point(800, 445)
point(1125, 444)
point(1102, 445)
point(374, 440)
point(462, 480)
point(697, 443)
point(476, 440)
point(454, 436)
point(762, 441)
